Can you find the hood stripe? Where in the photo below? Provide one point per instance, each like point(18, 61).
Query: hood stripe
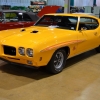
point(62, 44)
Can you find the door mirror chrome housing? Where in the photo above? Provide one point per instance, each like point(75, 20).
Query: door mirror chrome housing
point(84, 28)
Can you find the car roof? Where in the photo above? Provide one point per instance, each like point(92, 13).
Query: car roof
point(32, 15)
point(73, 14)
point(18, 11)
point(12, 11)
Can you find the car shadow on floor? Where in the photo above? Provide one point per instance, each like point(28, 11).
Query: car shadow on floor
point(80, 58)
point(42, 72)
point(25, 71)
point(13, 76)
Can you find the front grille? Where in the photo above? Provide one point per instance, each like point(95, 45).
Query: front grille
point(8, 50)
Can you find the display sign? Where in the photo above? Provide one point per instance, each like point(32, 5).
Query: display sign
point(38, 2)
point(36, 6)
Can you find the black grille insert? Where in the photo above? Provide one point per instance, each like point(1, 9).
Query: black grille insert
point(8, 50)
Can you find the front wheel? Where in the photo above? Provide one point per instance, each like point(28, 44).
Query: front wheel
point(57, 61)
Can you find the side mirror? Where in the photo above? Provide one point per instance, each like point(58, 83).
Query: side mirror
point(83, 29)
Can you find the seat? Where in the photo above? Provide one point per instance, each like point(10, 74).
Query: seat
point(82, 25)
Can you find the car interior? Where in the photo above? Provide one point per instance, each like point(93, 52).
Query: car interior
point(87, 26)
point(66, 23)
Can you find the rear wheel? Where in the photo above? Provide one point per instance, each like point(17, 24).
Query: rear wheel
point(57, 61)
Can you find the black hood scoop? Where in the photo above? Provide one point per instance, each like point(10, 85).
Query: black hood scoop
point(35, 31)
point(23, 29)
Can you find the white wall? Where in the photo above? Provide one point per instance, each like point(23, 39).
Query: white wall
point(50, 2)
point(98, 2)
point(56, 2)
point(83, 2)
point(15, 2)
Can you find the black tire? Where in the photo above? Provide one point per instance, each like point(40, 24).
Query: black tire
point(57, 62)
point(98, 49)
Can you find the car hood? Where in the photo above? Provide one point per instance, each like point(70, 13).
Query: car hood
point(7, 33)
point(32, 35)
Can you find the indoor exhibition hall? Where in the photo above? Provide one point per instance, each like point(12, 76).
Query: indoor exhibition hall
point(49, 49)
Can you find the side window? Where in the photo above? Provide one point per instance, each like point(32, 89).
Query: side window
point(11, 17)
point(73, 19)
point(26, 17)
point(7, 17)
point(88, 23)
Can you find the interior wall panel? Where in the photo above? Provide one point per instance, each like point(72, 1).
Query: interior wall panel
point(56, 2)
point(50, 2)
point(15, 2)
point(83, 3)
point(98, 2)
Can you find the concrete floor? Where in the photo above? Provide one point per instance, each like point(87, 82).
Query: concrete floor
point(80, 80)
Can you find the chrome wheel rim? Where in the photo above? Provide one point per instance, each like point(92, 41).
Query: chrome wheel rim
point(58, 61)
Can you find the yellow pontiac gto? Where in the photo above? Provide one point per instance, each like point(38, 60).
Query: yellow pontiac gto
point(53, 39)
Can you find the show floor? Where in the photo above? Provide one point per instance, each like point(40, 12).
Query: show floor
point(80, 80)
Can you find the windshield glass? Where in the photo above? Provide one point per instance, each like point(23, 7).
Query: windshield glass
point(63, 22)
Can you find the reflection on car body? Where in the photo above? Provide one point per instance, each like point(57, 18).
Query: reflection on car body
point(52, 40)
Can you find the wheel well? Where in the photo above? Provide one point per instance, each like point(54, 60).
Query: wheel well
point(67, 49)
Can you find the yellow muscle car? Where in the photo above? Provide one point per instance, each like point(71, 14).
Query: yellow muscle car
point(53, 39)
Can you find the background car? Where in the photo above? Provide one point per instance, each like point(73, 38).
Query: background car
point(21, 8)
point(10, 19)
point(52, 40)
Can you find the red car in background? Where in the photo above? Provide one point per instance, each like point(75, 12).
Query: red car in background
point(10, 19)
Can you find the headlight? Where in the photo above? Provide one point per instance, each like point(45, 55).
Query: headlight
point(29, 52)
point(21, 50)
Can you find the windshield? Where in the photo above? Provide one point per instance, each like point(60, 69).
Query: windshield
point(63, 22)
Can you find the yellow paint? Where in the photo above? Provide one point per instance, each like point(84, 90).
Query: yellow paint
point(47, 41)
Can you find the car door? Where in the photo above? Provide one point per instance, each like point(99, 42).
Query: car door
point(11, 21)
point(88, 34)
